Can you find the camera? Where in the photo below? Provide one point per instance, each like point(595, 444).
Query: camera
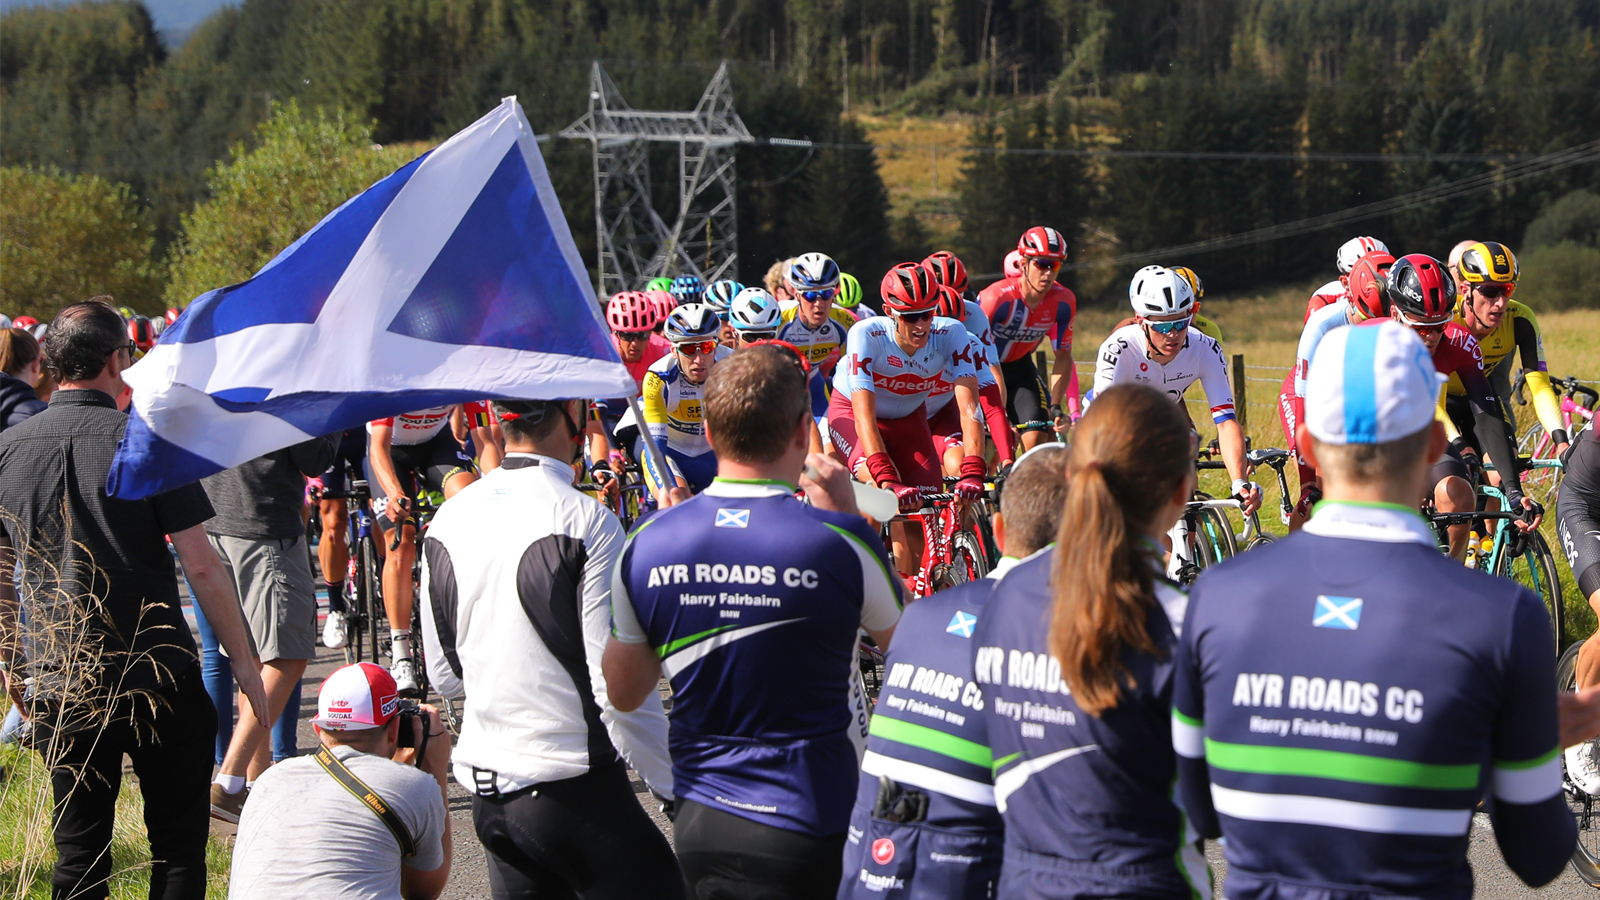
point(410, 711)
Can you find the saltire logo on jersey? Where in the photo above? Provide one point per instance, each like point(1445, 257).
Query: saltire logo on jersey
point(1337, 612)
point(962, 624)
point(453, 279)
point(733, 518)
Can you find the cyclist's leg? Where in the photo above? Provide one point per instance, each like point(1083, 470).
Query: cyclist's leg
point(697, 472)
point(1027, 401)
point(1453, 492)
point(1308, 475)
point(1580, 539)
point(333, 550)
point(909, 442)
point(397, 562)
point(946, 428)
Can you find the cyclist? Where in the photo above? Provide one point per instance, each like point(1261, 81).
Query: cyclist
point(949, 271)
point(1163, 350)
point(943, 419)
point(405, 454)
point(333, 550)
point(1013, 265)
point(1349, 252)
point(671, 403)
point(632, 316)
point(849, 297)
point(755, 316)
point(1422, 295)
point(1202, 324)
point(659, 284)
point(687, 289)
point(812, 323)
point(1023, 311)
point(664, 303)
point(1366, 297)
point(719, 295)
point(1486, 279)
point(1578, 524)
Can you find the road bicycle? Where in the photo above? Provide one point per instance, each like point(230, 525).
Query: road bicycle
point(1205, 535)
point(1578, 402)
point(359, 601)
point(953, 552)
point(1585, 807)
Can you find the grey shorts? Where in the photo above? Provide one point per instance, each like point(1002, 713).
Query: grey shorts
point(273, 578)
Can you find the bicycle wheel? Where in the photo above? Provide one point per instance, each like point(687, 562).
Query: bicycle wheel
point(1217, 533)
point(1535, 569)
point(1585, 810)
point(1260, 540)
point(377, 616)
point(967, 557)
point(1530, 439)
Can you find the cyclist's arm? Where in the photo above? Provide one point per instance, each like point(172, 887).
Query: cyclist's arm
point(631, 667)
point(378, 444)
point(458, 424)
point(1108, 364)
point(971, 416)
point(864, 405)
point(1063, 373)
point(653, 406)
point(312, 458)
point(489, 454)
point(1488, 414)
point(1530, 350)
point(1532, 824)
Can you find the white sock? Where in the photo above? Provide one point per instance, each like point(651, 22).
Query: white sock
point(402, 644)
point(249, 785)
point(232, 784)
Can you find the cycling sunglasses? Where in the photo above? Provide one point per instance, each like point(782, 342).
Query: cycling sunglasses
point(697, 348)
point(915, 317)
point(631, 335)
point(1048, 265)
point(1428, 330)
point(753, 336)
point(1169, 328)
point(816, 296)
point(1491, 291)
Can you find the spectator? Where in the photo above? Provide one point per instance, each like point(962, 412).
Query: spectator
point(1084, 777)
point(1346, 696)
point(751, 601)
point(777, 283)
point(309, 830)
point(516, 606)
point(261, 538)
point(99, 570)
point(20, 365)
point(925, 821)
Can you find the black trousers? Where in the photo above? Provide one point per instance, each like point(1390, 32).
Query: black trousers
point(729, 857)
point(171, 750)
point(581, 837)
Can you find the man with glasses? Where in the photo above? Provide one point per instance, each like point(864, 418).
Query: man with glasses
point(1161, 349)
point(633, 317)
point(1023, 311)
point(813, 323)
point(671, 404)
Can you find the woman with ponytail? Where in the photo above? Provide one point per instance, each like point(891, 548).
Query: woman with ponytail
point(1075, 659)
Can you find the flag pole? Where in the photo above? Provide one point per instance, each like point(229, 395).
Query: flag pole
point(658, 460)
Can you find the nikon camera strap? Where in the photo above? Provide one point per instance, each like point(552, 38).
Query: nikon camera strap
point(369, 798)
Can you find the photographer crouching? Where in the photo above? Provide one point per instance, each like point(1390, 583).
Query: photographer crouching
point(357, 819)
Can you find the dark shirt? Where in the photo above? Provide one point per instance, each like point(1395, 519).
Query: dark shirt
point(18, 401)
point(262, 498)
point(90, 558)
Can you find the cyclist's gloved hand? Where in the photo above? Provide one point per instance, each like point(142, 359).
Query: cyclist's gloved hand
point(882, 469)
point(910, 497)
point(970, 487)
point(1530, 509)
point(618, 460)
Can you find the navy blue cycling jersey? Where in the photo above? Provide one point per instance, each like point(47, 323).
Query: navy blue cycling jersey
point(1087, 800)
point(1344, 699)
point(753, 601)
point(927, 735)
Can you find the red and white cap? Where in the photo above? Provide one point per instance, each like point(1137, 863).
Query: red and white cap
point(357, 697)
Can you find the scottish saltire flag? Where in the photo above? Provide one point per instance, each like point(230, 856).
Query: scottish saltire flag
point(453, 279)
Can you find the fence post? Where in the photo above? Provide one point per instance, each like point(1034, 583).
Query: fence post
point(1240, 403)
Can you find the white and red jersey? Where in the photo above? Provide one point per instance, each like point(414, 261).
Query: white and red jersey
point(1017, 330)
point(1125, 357)
point(415, 427)
point(945, 390)
point(902, 381)
point(1327, 295)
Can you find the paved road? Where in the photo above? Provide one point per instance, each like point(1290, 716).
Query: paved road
point(469, 878)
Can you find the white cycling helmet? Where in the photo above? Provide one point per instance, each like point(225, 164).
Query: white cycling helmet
point(1159, 291)
point(754, 309)
point(812, 272)
point(692, 322)
point(1354, 249)
point(1013, 264)
point(5, 321)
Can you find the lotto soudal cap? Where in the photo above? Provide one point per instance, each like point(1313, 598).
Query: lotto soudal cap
point(357, 697)
point(1370, 384)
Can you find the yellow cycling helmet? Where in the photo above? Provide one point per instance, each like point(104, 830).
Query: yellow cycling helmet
point(1193, 279)
point(849, 295)
point(1488, 262)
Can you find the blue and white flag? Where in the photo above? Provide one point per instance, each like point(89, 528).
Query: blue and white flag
point(453, 279)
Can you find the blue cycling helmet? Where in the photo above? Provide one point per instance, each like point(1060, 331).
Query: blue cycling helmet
point(720, 294)
point(688, 289)
point(692, 322)
point(812, 272)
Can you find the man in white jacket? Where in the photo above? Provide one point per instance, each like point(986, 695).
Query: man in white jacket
point(516, 609)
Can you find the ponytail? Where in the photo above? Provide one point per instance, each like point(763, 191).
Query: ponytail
point(1130, 453)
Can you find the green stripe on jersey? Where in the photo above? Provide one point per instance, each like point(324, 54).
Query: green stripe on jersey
point(866, 551)
point(1004, 761)
point(930, 739)
point(1340, 766)
point(674, 646)
point(1528, 763)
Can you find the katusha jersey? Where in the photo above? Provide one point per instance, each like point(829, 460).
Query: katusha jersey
point(977, 325)
point(753, 601)
point(1018, 329)
point(902, 381)
point(1344, 699)
point(1085, 797)
point(1327, 317)
point(945, 390)
point(1327, 295)
point(1124, 358)
point(415, 427)
point(671, 407)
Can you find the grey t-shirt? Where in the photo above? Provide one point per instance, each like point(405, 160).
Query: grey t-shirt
point(262, 498)
point(304, 835)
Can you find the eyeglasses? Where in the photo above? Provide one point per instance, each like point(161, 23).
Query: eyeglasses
point(749, 336)
point(631, 335)
point(1170, 328)
point(130, 346)
point(697, 348)
point(818, 296)
point(914, 317)
point(1047, 265)
point(1427, 330)
point(1492, 291)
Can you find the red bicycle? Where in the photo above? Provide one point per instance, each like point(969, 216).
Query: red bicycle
point(953, 552)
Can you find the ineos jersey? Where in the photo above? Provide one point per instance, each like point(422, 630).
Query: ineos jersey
point(1124, 358)
point(1095, 791)
point(753, 600)
point(902, 380)
point(1018, 329)
point(1344, 699)
point(1327, 295)
point(672, 409)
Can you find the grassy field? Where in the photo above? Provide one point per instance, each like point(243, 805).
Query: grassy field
point(1265, 327)
point(27, 854)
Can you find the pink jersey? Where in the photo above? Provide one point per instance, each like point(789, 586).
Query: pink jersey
point(656, 348)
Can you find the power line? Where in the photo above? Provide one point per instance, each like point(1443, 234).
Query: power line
point(1097, 152)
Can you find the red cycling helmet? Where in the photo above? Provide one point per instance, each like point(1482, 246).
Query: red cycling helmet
point(631, 311)
point(1044, 242)
point(1421, 290)
point(664, 302)
point(140, 333)
point(1367, 284)
point(909, 287)
point(947, 270)
point(24, 322)
point(951, 306)
point(172, 314)
point(1013, 265)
